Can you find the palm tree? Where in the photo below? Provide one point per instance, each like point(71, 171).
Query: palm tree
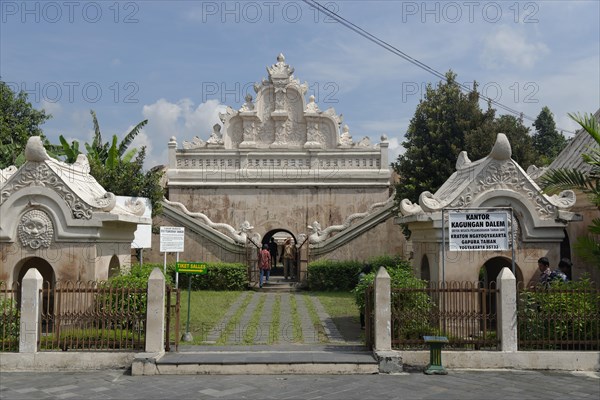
point(587, 247)
point(110, 153)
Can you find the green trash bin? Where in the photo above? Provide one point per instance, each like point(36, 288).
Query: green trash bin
point(435, 366)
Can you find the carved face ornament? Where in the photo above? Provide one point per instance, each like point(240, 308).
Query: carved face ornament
point(35, 229)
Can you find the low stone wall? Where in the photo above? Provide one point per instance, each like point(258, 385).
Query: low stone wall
point(540, 360)
point(65, 361)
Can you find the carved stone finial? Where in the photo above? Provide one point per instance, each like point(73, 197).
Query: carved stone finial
point(462, 160)
point(216, 137)
point(312, 107)
point(280, 57)
point(501, 149)
point(35, 151)
point(346, 138)
point(248, 105)
point(384, 138)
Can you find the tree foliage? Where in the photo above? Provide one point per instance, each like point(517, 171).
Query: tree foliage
point(446, 122)
point(18, 121)
point(547, 141)
point(436, 135)
point(587, 247)
point(120, 169)
point(480, 141)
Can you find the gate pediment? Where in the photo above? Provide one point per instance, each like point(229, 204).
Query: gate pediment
point(496, 180)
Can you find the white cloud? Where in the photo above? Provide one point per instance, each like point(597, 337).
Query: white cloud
point(509, 47)
point(53, 108)
point(181, 119)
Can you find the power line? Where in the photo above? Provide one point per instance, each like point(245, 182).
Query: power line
point(394, 50)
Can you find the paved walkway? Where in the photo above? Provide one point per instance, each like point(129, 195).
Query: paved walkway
point(459, 384)
point(278, 318)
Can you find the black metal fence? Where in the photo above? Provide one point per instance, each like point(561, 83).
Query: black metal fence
point(559, 316)
point(9, 317)
point(464, 312)
point(92, 316)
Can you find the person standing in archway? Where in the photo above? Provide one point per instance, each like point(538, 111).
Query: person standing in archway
point(288, 258)
point(273, 251)
point(264, 263)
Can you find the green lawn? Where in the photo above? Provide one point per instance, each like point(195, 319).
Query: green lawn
point(209, 307)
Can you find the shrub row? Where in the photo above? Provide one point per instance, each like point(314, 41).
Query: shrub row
point(331, 275)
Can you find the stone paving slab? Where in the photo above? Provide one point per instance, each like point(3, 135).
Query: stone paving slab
point(458, 384)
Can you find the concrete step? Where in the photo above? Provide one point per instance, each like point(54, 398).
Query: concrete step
point(261, 360)
point(278, 284)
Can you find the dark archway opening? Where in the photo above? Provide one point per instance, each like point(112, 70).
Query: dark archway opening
point(488, 275)
point(425, 272)
point(114, 267)
point(48, 277)
point(565, 252)
point(278, 236)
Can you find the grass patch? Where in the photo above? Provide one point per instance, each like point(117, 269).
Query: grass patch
point(275, 322)
point(235, 320)
point(339, 304)
point(314, 318)
point(297, 325)
point(207, 309)
point(251, 330)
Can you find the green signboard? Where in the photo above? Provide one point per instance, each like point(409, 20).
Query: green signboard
point(190, 267)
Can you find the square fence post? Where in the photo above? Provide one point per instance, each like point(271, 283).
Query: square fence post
point(155, 313)
point(30, 311)
point(506, 300)
point(383, 311)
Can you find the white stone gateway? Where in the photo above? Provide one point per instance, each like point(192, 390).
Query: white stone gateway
point(284, 165)
point(493, 181)
point(56, 217)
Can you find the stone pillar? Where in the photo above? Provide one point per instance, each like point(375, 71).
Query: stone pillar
point(30, 311)
point(506, 300)
point(383, 147)
point(383, 311)
point(155, 313)
point(172, 146)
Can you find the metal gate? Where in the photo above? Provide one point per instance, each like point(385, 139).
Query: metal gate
point(302, 258)
point(252, 250)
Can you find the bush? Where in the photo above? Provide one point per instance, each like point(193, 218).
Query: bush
point(9, 324)
point(332, 275)
point(324, 275)
point(219, 276)
point(562, 312)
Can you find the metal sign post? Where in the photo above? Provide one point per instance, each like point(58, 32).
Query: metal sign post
point(190, 268)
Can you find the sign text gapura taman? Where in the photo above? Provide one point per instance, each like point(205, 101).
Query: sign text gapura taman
point(478, 231)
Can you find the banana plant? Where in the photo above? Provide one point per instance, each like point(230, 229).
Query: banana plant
point(587, 247)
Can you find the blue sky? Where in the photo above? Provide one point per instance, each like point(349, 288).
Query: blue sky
point(178, 63)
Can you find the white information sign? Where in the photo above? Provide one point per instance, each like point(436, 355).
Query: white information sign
point(477, 231)
point(171, 239)
point(142, 237)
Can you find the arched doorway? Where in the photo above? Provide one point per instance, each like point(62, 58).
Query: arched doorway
point(425, 273)
point(278, 236)
point(114, 267)
point(48, 280)
point(488, 275)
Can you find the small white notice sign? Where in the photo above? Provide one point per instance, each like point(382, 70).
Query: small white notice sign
point(171, 239)
point(478, 231)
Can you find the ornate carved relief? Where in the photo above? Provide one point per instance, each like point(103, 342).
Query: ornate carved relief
point(35, 229)
point(196, 143)
point(506, 175)
point(318, 235)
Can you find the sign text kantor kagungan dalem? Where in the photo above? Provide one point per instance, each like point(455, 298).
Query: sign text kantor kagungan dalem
point(478, 231)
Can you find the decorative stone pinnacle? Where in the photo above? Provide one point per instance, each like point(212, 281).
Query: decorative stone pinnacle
point(280, 57)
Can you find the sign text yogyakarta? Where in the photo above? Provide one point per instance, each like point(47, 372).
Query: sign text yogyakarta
point(477, 231)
